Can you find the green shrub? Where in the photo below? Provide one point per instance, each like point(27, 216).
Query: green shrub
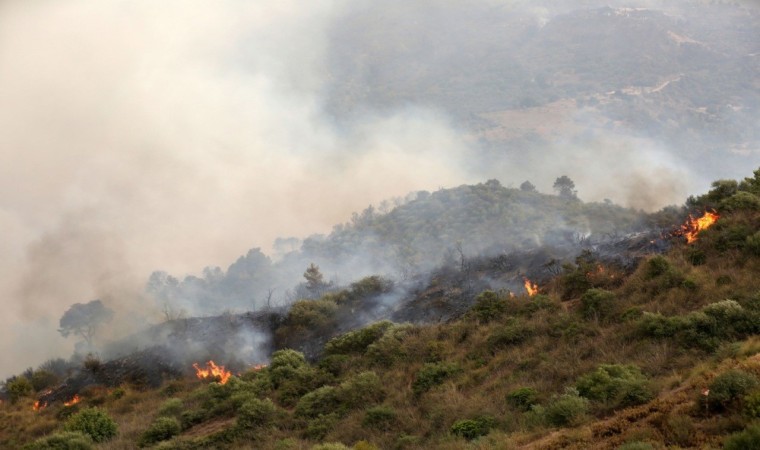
point(523, 398)
point(488, 306)
point(636, 445)
point(657, 266)
point(696, 256)
point(507, 336)
point(319, 426)
point(753, 244)
point(379, 417)
point(597, 304)
point(751, 406)
point(357, 341)
point(94, 423)
point(361, 390)
point(658, 326)
point(67, 440)
point(256, 413)
point(171, 407)
point(566, 409)
point(472, 428)
point(321, 401)
point(161, 429)
point(727, 388)
point(615, 385)
point(749, 439)
point(18, 387)
point(741, 201)
point(389, 349)
point(540, 302)
point(330, 446)
point(430, 375)
point(43, 379)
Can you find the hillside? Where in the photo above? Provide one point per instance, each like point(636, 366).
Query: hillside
point(658, 352)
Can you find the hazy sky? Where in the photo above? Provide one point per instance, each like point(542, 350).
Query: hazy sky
point(141, 135)
point(176, 134)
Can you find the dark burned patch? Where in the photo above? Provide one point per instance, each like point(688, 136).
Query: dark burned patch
point(148, 368)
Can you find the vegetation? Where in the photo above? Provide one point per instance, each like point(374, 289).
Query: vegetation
point(661, 353)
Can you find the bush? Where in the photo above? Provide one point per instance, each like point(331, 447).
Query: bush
point(67, 440)
point(318, 427)
point(388, 349)
point(357, 341)
point(749, 439)
point(636, 445)
point(566, 409)
point(751, 407)
point(256, 413)
point(360, 390)
point(753, 244)
point(171, 407)
point(523, 398)
point(503, 337)
point(432, 374)
point(161, 429)
point(18, 387)
point(94, 423)
point(318, 402)
point(379, 417)
point(472, 428)
point(43, 379)
point(597, 304)
point(727, 388)
point(615, 385)
point(330, 446)
point(488, 306)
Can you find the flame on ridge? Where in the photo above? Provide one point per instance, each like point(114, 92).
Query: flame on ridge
point(531, 288)
point(694, 226)
point(74, 400)
point(39, 405)
point(212, 371)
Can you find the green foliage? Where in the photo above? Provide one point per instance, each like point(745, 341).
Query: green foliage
point(161, 429)
point(379, 417)
point(615, 385)
point(523, 398)
point(361, 390)
point(741, 201)
point(636, 445)
point(567, 409)
point(330, 446)
point(357, 341)
point(94, 423)
point(729, 387)
point(321, 401)
point(311, 314)
point(472, 428)
point(508, 335)
point(43, 379)
point(67, 440)
point(256, 413)
point(171, 407)
point(488, 306)
point(597, 304)
point(319, 426)
point(389, 349)
point(749, 439)
point(430, 375)
point(18, 387)
point(751, 407)
point(753, 244)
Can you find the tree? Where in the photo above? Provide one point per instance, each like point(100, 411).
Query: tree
point(315, 283)
point(527, 186)
point(565, 187)
point(84, 319)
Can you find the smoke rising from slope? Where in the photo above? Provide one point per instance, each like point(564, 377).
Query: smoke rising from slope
point(174, 135)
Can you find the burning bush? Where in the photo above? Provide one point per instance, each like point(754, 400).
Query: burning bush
point(94, 423)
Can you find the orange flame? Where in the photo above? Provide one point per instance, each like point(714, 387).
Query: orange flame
point(212, 371)
point(532, 288)
point(693, 226)
point(258, 367)
point(74, 400)
point(39, 405)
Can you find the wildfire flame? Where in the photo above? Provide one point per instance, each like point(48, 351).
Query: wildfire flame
point(39, 405)
point(74, 400)
point(694, 226)
point(532, 288)
point(212, 371)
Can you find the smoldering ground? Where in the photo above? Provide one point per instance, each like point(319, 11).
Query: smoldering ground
point(139, 135)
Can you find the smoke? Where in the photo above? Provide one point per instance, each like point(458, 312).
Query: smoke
point(174, 135)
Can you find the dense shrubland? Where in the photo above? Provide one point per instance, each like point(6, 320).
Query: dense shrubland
point(664, 354)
